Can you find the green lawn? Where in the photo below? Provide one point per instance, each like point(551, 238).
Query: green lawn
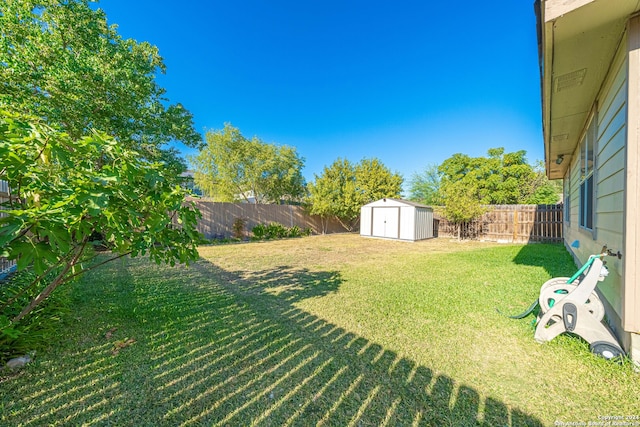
point(327, 330)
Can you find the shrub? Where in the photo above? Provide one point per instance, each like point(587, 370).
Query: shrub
point(276, 230)
point(204, 241)
point(238, 228)
point(294, 231)
point(259, 232)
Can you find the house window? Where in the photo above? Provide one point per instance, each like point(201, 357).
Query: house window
point(586, 176)
point(567, 199)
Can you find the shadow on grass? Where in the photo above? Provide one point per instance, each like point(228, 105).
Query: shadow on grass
point(231, 348)
point(553, 257)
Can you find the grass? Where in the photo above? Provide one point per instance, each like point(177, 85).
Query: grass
point(326, 330)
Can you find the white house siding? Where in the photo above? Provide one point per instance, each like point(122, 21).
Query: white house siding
point(609, 187)
point(571, 225)
point(631, 251)
point(610, 178)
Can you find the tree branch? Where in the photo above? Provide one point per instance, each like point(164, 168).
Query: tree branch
point(33, 283)
point(54, 284)
point(98, 265)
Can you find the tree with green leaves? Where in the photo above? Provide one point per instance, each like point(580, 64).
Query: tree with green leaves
point(424, 187)
point(542, 191)
point(62, 62)
point(343, 188)
point(66, 191)
point(231, 167)
point(333, 194)
point(467, 182)
point(500, 178)
point(374, 181)
point(63, 73)
point(461, 205)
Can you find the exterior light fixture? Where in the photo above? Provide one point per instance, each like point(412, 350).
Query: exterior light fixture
point(559, 159)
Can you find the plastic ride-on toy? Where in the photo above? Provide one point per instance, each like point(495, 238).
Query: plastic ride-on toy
point(570, 304)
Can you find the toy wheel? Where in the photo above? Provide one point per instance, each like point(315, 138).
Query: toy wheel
point(606, 350)
point(556, 281)
point(556, 292)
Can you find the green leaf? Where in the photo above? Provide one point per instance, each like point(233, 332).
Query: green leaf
point(10, 231)
point(62, 207)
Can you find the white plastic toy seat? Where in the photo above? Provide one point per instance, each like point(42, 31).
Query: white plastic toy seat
point(578, 312)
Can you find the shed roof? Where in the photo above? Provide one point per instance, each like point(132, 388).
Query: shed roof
point(398, 201)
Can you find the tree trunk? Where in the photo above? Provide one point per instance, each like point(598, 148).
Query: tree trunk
point(60, 278)
point(43, 295)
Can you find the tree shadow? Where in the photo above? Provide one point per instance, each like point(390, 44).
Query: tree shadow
point(236, 350)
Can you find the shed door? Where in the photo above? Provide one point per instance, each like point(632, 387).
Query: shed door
point(386, 222)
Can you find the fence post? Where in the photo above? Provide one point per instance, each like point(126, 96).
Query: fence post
point(515, 225)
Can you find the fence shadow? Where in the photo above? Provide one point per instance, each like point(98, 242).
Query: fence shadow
point(238, 351)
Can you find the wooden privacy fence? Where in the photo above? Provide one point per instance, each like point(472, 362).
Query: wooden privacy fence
point(501, 223)
point(509, 224)
point(218, 218)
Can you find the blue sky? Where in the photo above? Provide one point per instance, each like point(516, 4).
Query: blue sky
point(408, 82)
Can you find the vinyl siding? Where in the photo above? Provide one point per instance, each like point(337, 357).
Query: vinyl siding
point(609, 189)
point(610, 177)
point(631, 250)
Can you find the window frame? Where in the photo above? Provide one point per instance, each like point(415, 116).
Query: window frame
point(586, 179)
point(567, 199)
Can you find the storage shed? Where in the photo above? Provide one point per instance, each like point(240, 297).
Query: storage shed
point(396, 219)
